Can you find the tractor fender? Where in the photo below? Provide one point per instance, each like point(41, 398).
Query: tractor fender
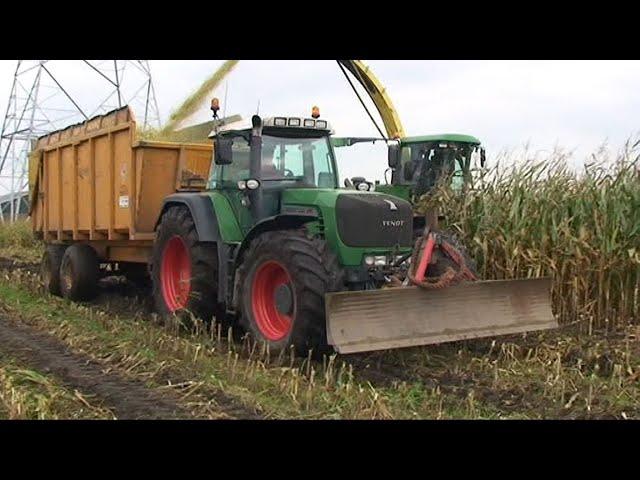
point(206, 223)
point(277, 222)
point(202, 212)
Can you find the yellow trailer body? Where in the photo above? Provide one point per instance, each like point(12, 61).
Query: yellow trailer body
point(95, 183)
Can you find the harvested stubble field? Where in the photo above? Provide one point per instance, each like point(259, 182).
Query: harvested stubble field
point(535, 220)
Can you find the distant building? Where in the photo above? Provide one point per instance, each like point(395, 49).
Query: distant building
point(20, 205)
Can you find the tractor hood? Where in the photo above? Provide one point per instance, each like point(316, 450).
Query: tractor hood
point(358, 221)
point(373, 220)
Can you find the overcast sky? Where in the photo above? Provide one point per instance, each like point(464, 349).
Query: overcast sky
point(575, 104)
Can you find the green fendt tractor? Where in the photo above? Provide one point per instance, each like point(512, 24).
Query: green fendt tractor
point(275, 246)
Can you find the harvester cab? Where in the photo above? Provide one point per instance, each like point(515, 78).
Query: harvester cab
point(417, 164)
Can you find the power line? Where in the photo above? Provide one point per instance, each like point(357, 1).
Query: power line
point(42, 103)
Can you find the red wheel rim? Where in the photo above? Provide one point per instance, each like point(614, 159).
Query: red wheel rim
point(273, 324)
point(175, 274)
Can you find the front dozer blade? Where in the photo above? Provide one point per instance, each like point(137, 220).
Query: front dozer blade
point(410, 316)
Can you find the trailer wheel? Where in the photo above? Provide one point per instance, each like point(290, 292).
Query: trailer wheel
point(79, 273)
point(50, 268)
point(183, 270)
point(284, 276)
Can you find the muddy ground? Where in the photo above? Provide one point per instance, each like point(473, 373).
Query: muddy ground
point(128, 398)
point(557, 374)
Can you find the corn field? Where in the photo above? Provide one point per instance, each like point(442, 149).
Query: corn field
point(540, 217)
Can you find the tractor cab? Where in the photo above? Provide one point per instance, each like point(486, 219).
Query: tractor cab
point(254, 164)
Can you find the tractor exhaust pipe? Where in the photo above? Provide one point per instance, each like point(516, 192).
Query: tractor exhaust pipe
point(255, 168)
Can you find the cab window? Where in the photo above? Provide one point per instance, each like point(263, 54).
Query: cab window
point(229, 175)
point(306, 160)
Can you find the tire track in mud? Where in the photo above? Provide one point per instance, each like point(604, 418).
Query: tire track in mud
point(381, 374)
point(128, 399)
point(12, 264)
point(384, 373)
point(457, 382)
point(444, 371)
point(382, 369)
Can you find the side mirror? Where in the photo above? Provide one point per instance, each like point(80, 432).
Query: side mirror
point(394, 156)
point(361, 184)
point(223, 151)
point(483, 157)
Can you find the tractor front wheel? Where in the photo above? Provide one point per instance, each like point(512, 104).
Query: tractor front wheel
point(284, 276)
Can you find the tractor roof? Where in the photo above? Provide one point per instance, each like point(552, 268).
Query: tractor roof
point(445, 137)
point(281, 124)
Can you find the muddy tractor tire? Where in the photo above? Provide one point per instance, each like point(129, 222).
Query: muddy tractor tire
point(79, 273)
point(184, 271)
point(50, 268)
point(283, 278)
point(442, 262)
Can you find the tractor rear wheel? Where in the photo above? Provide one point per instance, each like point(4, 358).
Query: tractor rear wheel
point(184, 271)
point(50, 268)
point(284, 276)
point(79, 273)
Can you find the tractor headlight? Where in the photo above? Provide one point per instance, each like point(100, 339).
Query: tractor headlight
point(252, 184)
point(294, 122)
point(280, 122)
point(380, 260)
point(363, 187)
point(376, 260)
point(321, 124)
point(242, 185)
point(309, 123)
